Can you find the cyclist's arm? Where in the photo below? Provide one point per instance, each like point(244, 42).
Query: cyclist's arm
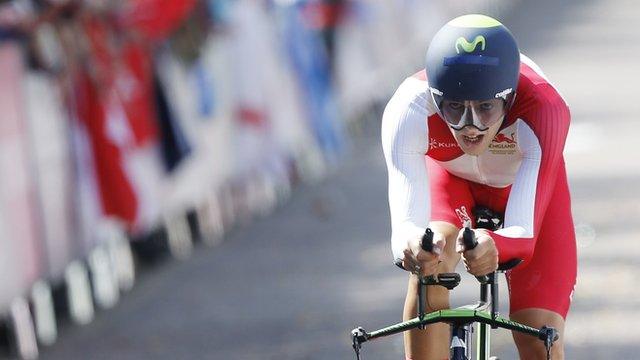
point(542, 142)
point(404, 142)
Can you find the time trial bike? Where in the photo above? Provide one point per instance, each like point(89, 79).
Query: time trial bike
point(466, 321)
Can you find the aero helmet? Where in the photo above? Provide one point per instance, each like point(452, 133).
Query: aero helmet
point(473, 57)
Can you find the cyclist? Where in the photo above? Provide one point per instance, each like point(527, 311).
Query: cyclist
point(481, 126)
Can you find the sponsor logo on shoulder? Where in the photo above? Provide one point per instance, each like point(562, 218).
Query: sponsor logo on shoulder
point(503, 144)
point(502, 138)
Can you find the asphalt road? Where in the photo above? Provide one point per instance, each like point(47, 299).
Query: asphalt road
point(292, 286)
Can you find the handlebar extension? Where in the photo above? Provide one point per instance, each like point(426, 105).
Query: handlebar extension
point(470, 243)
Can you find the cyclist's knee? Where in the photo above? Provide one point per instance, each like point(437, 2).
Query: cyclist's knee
point(531, 348)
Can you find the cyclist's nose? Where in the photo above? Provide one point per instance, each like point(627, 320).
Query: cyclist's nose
point(469, 116)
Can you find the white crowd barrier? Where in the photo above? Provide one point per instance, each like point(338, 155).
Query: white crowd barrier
point(112, 140)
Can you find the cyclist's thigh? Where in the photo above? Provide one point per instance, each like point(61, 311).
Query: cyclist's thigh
point(548, 279)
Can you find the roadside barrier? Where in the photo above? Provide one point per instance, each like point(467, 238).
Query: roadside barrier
point(131, 134)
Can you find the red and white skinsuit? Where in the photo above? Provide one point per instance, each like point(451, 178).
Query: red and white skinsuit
point(521, 175)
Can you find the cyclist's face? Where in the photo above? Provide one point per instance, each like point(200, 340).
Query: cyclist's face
point(479, 122)
point(481, 114)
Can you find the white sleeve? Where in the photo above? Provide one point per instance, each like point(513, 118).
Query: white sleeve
point(404, 142)
point(520, 211)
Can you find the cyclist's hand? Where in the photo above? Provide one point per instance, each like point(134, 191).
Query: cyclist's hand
point(419, 261)
point(483, 259)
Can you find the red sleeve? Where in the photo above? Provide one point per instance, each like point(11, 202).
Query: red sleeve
point(548, 118)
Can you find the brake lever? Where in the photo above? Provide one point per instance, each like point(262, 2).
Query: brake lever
point(358, 336)
point(549, 335)
point(470, 243)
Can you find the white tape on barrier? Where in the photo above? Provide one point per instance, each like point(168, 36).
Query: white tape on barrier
point(23, 330)
point(210, 221)
point(105, 287)
point(79, 298)
point(121, 259)
point(44, 313)
point(179, 237)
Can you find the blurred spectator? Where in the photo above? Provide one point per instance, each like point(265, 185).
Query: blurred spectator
point(325, 16)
